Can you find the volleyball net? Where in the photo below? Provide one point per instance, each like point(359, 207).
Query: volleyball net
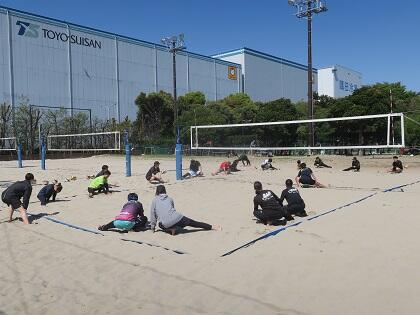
point(85, 142)
point(8, 144)
point(383, 131)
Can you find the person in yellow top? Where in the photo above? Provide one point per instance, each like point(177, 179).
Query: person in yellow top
point(99, 184)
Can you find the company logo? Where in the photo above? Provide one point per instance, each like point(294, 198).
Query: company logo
point(28, 29)
point(33, 30)
point(232, 73)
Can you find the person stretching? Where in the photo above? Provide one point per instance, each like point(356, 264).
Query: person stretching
point(299, 163)
point(99, 184)
point(163, 211)
point(266, 165)
point(12, 195)
point(319, 163)
point(195, 170)
point(244, 159)
point(154, 173)
point(355, 165)
point(49, 191)
point(307, 178)
point(295, 203)
point(271, 211)
point(131, 216)
point(397, 166)
point(223, 168)
point(234, 166)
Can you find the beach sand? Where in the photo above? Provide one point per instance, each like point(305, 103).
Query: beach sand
point(361, 259)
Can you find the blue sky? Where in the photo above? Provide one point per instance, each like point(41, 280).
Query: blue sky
point(381, 39)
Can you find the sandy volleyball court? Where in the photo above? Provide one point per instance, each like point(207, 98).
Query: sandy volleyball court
point(362, 259)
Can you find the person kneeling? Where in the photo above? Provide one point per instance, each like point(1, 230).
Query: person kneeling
point(99, 184)
point(295, 203)
point(48, 191)
point(271, 211)
point(163, 211)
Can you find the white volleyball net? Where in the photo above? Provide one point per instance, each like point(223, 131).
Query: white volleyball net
point(8, 144)
point(384, 131)
point(86, 142)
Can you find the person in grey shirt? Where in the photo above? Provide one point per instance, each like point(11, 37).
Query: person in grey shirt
point(163, 211)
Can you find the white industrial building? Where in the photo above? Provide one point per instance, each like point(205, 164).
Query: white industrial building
point(267, 77)
point(338, 81)
point(55, 63)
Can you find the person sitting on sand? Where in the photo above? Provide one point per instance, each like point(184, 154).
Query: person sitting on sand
point(48, 191)
point(163, 211)
point(223, 168)
point(195, 170)
point(298, 164)
point(244, 159)
point(271, 211)
point(154, 175)
point(355, 165)
point(99, 184)
point(101, 172)
point(19, 190)
point(295, 203)
point(397, 166)
point(266, 165)
point(319, 163)
point(307, 178)
point(131, 216)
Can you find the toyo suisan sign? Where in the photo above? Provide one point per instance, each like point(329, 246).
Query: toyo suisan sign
point(35, 31)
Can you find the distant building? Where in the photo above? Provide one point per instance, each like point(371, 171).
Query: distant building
point(267, 77)
point(338, 81)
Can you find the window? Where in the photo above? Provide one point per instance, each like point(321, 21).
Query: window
point(341, 85)
point(346, 86)
point(351, 87)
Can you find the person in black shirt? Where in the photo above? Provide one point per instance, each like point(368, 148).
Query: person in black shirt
point(234, 166)
point(295, 203)
point(244, 159)
point(307, 178)
point(12, 195)
point(195, 170)
point(154, 173)
point(319, 163)
point(271, 210)
point(397, 166)
point(355, 165)
point(49, 191)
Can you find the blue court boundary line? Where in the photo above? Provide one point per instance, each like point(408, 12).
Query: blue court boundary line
point(275, 232)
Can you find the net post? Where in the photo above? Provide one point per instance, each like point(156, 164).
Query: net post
point(402, 131)
point(388, 131)
point(127, 155)
point(19, 155)
point(43, 155)
point(178, 155)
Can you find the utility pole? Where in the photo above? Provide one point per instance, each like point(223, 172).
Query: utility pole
point(306, 9)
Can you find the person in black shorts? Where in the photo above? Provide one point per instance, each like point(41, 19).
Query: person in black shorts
point(244, 159)
point(12, 195)
point(319, 163)
point(271, 211)
point(234, 166)
point(355, 165)
point(48, 191)
point(195, 170)
point(295, 203)
point(266, 165)
point(306, 178)
point(397, 166)
point(154, 173)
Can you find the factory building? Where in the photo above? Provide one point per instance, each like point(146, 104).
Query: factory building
point(338, 81)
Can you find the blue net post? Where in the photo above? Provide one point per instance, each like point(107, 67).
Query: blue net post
point(43, 155)
point(19, 155)
point(127, 155)
point(178, 155)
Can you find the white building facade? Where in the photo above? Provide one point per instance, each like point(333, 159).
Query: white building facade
point(267, 77)
point(338, 81)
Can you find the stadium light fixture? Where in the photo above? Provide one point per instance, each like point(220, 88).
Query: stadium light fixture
point(306, 9)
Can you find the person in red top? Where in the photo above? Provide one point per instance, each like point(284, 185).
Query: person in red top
point(224, 167)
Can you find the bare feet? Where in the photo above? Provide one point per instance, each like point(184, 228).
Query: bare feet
point(217, 227)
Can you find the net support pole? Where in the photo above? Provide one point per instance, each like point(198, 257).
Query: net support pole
point(127, 155)
point(43, 155)
point(178, 156)
point(19, 155)
point(388, 130)
point(402, 131)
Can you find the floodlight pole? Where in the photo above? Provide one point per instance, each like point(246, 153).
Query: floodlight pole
point(305, 9)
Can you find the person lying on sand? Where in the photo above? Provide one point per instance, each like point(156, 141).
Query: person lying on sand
point(195, 170)
point(266, 165)
point(223, 168)
point(234, 166)
point(163, 211)
point(19, 190)
point(131, 216)
point(397, 166)
point(154, 175)
point(306, 177)
point(48, 191)
point(355, 165)
point(295, 203)
point(319, 163)
point(271, 211)
point(99, 184)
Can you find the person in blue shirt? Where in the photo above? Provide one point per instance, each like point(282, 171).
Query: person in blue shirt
point(49, 191)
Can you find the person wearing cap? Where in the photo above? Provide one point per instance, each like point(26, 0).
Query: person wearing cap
point(154, 173)
point(355, 165)
point(131, 216)
point(266, 165)
point(13, 194)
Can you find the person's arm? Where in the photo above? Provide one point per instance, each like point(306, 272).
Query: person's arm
point(283, 195)
point(27, 196)
point(255, 204)
point(153, 218)
point(297, 181)
point(54, 194)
